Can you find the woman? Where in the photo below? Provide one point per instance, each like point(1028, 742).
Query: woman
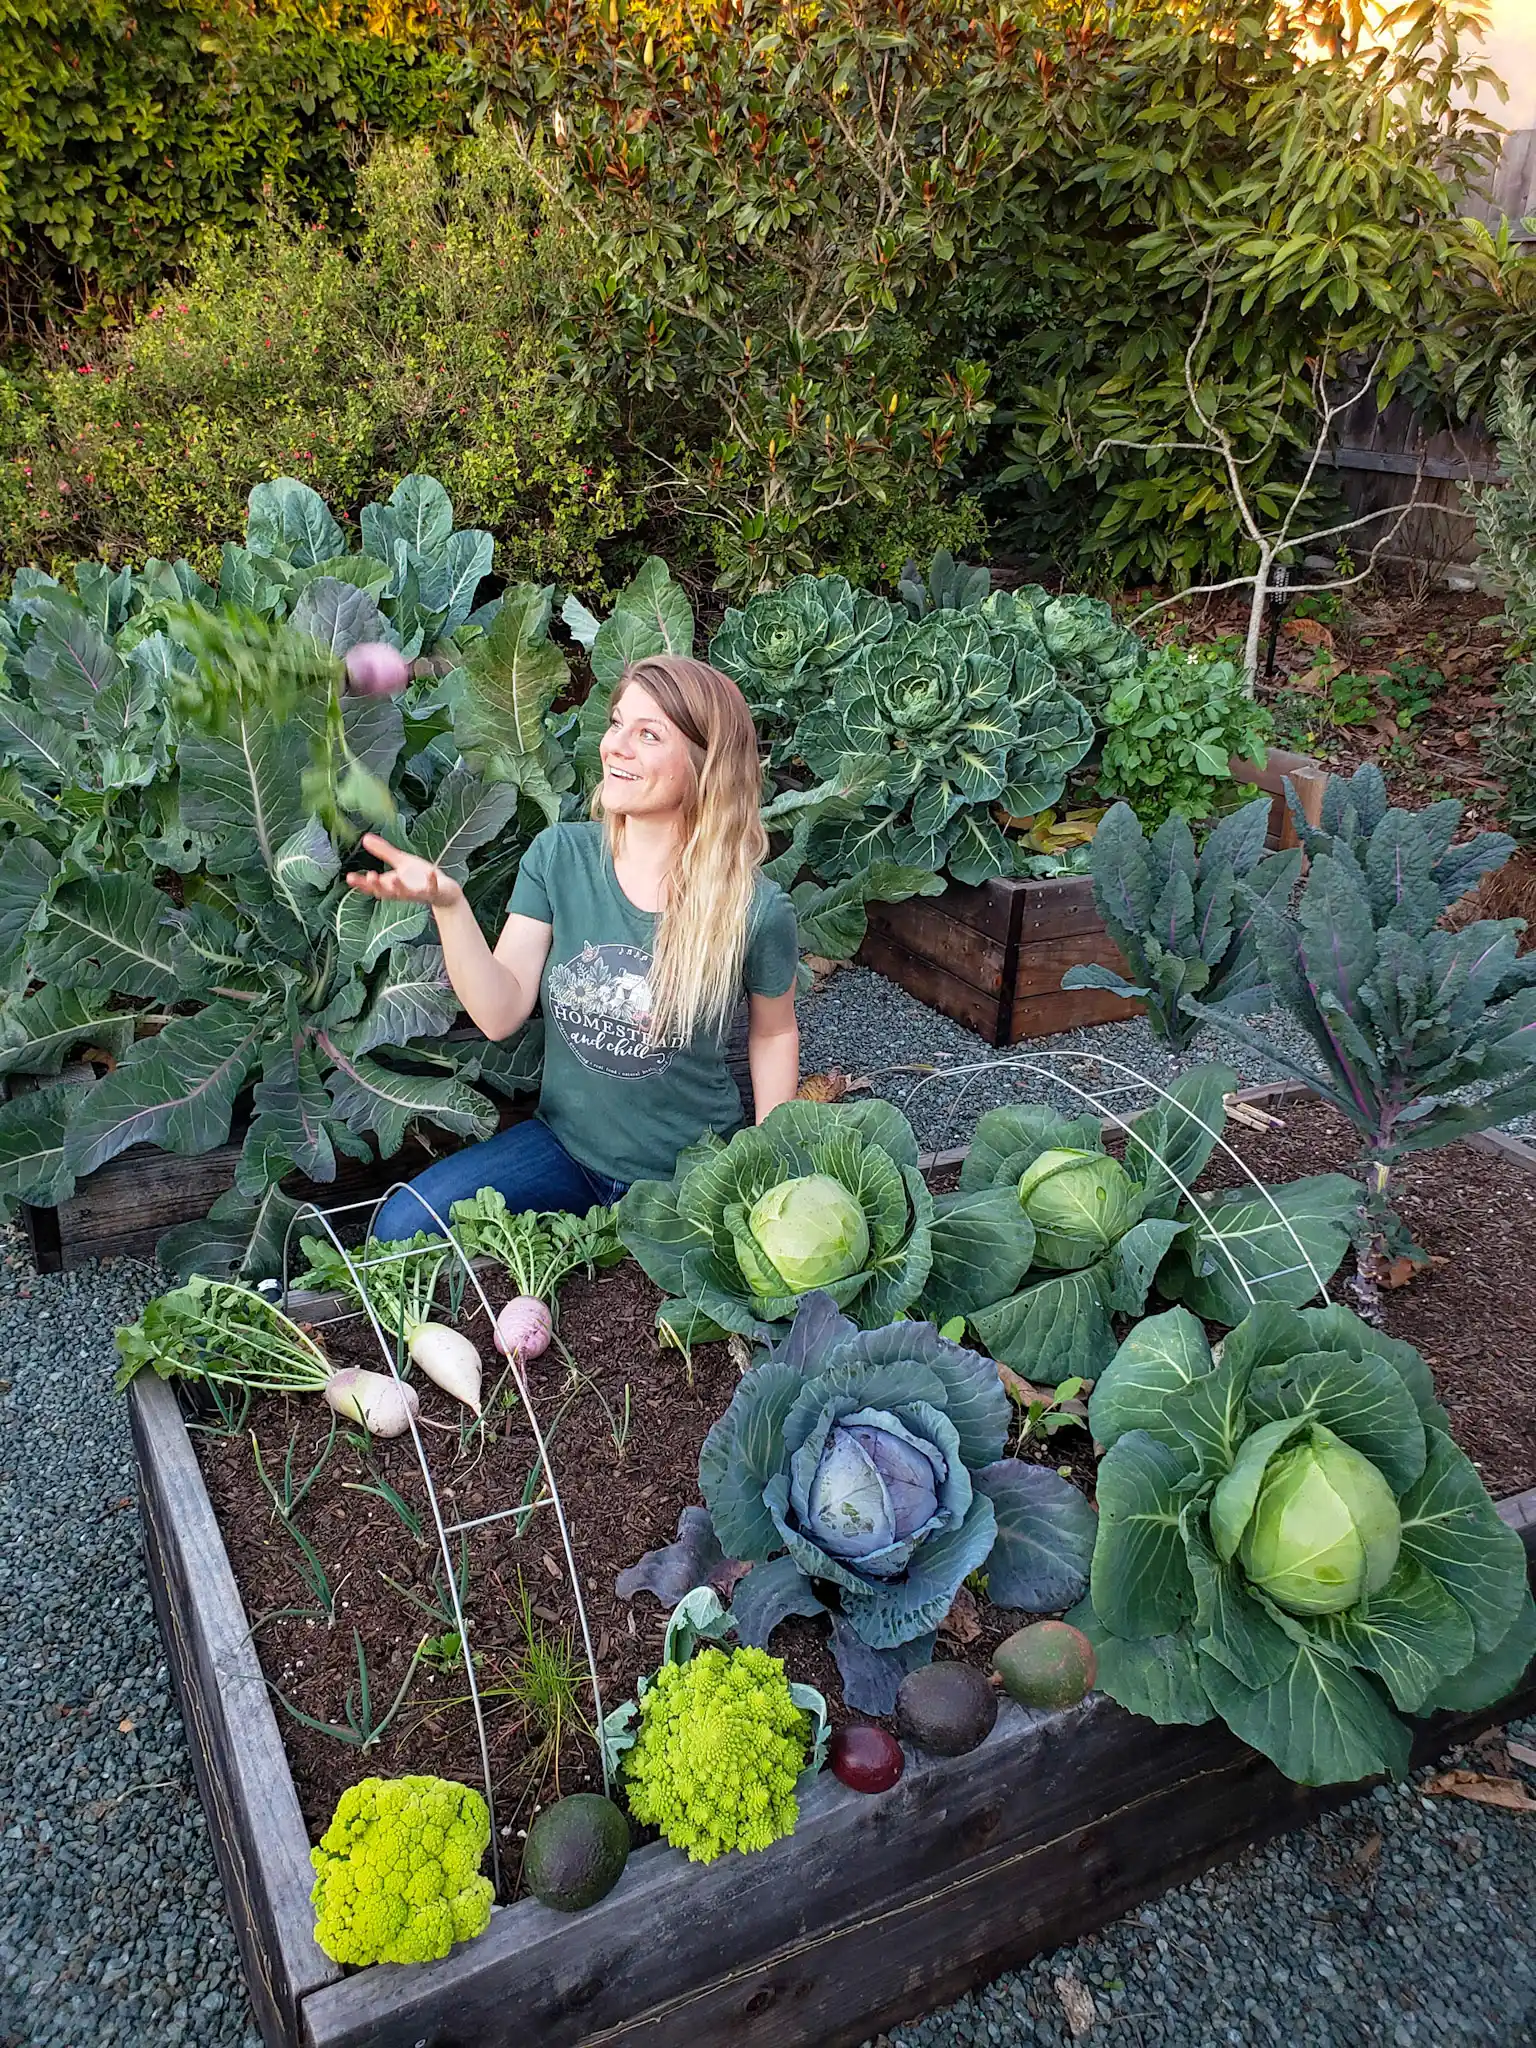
point(638, 931)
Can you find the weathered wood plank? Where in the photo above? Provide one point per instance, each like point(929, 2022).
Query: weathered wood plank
point(930, 984)
point(924, 927)
point(259, 1839)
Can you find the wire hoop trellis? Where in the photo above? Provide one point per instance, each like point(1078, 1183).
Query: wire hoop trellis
point(551, 1497)
point(1042, 1064)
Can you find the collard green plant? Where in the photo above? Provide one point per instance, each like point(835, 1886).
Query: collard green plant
point(1404, 1016)
point(871, 1461)
point(960, 722)
point(1172, 729)
point(786, 647)
point(1290, 1541)
point(268, 983)
point(1185, 921)
point(817, 1197)
point(1107, 1231)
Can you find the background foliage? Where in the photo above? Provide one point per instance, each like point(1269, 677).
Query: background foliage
point(125, 131)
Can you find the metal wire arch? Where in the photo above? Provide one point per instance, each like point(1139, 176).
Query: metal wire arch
point(388, 1350)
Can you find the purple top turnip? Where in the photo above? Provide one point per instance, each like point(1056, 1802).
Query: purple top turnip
point(375, 669)
point(523, 1328)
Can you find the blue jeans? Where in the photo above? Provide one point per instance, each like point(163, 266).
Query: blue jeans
point(527, 1164)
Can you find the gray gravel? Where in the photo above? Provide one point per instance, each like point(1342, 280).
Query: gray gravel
point(113, 1932)
point(112, 1927)
point(865, 1024)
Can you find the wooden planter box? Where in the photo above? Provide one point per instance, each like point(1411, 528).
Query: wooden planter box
point(993, 957)
point(876, 1909)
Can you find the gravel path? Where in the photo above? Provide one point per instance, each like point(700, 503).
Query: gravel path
point(865, 1024)
point(112, 1927)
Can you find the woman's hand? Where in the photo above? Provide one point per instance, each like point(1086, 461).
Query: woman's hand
point(405, 878)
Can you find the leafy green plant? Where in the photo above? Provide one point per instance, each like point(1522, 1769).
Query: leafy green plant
point(1506, 533)
point(960, 720)
point(1092, 654)
point(1107, 1231)
point(265, 973)
point(708, 1236)
point(872, 1462)
point(536, 1250)
point(1172, 729)
point(1177, 915)
point(1404, 1016)
point(1290, 1541)
point(788, 645)
point(949, 586)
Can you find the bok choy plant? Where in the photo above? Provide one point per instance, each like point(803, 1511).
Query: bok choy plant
point(1290, 1541)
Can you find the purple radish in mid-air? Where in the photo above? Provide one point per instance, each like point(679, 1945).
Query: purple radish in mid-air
point(375, 669)
point(524, 1327)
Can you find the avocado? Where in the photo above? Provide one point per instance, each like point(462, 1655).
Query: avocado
point(576, 1852)
point(945, 1708)
point(1048, 1664)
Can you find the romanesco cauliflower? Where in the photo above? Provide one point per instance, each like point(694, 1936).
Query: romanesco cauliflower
point(398, 1871)
point(717, 1754)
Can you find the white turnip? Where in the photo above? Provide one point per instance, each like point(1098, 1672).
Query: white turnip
point(523, 1328)
point(448, 1359)
point(383, 1405)
point(374, 669)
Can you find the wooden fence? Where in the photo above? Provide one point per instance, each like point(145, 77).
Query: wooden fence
point(1379, 454)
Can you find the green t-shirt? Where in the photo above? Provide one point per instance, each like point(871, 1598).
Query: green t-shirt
point(617, 1103)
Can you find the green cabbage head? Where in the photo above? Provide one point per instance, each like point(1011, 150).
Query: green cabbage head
point(1080, 1203)
point(1290, 1540)
point(818, 1196)
point(1323, 1533)
point(803, 1233)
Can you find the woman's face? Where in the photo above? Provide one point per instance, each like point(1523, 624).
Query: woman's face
point(647, 762)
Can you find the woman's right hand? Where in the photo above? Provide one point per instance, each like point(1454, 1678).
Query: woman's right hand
point(405, 877)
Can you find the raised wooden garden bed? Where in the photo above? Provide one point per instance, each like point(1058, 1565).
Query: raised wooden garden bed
point(993, 957)
point(872, 1911)
point(875, 1909)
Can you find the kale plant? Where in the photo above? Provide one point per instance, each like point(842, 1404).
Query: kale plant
point(1185, 921)
point(1421, 1035)
point(1290, 1541)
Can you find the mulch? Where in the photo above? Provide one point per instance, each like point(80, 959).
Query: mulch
point(625, 1420)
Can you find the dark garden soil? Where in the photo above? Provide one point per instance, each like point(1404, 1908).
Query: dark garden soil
point(625, 1420)
point(1380, 677)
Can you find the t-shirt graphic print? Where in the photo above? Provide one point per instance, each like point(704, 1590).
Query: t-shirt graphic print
point(600, 1003)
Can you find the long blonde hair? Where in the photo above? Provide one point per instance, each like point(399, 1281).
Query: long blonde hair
point(702, 934)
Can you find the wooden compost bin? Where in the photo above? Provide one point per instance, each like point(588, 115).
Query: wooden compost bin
point(992, 957)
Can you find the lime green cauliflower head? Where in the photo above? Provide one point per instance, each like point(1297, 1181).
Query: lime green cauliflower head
point(397, 1872)
point(720, 1747)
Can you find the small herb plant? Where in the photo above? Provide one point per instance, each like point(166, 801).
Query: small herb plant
point(1173, 728)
